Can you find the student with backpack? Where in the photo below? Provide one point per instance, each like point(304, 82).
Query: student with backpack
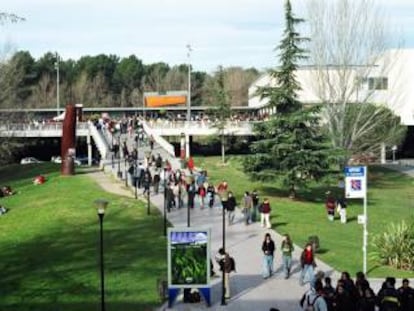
point(227, 265)
point(313, 299)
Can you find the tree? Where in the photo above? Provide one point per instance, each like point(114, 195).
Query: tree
point(237, 82)
point(11, 77)
point(220, 111)
point(290, 145)
point(10, 17)
point(348, 42)
point(127, 77)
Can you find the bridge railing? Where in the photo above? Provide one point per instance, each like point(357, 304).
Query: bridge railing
point(162, 124)
point(39, 127)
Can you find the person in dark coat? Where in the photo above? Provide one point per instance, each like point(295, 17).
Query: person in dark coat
point(146, 182)
point(231, 207)
point(342, 300)
point(268, 248)
point(407, 296)
point(388, 298)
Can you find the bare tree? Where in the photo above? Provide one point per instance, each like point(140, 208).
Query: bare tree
point(348, 47)
point(10, 17)
point(175, 79)
point(44, 94)
point(237, 82)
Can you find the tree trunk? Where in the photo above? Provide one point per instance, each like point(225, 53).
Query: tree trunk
point(222, 149)
point(292, 192)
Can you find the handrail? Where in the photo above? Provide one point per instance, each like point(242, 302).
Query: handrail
point(159, 139)
point(40, 126)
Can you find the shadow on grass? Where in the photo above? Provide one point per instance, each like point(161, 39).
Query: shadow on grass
point(59, 270)
point(278, 224)
point(321, 251)
point(13, 173)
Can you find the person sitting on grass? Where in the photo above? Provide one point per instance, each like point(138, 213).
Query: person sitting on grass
point(3, 210)
point(6, 191)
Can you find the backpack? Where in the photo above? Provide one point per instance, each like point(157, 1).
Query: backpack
point(232, 264)
point(310, 306)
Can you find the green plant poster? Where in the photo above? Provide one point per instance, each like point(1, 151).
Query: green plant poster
point(189, 263)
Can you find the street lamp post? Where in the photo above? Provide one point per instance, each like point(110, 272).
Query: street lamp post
point(148, 202)
point(189, 50)
point(188, 214)
point(119, 155)
point(57, 85)
point(136, 178)
point(112, 150)
point(223, 284)
point(165, 201)
point(101, 206)
point(126, 172)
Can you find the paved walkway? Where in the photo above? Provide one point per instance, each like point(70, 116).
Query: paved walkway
point(249, 290)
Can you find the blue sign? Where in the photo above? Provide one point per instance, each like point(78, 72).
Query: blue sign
point(355, 182)
point(354, 171)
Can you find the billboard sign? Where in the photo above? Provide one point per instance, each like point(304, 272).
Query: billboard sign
point(355, 182)
point(188, 257)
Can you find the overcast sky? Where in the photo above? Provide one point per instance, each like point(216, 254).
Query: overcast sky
point(220, 32)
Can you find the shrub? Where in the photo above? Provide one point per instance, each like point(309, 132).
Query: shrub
point(395, 246)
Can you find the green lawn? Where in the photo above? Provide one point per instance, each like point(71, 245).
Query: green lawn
point(49, 245)
point(390, 199)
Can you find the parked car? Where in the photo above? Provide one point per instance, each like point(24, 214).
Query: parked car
point(83, 159)
point(58, 159)
point(29, 160)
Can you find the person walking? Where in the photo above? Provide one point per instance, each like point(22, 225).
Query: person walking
point(307, 262)
point(211, 192)
point(264, 210)
point(287, 249)
point(330, 205)
point(247, 208)
point(202, 192)
point(268, 248)
point(255, 199)
point(191, 192)
point(146, 182)
point(406, 295)
point(341, 208)
point(231, 207)
point(313, 298)
point(388, 297)
point(227, 264)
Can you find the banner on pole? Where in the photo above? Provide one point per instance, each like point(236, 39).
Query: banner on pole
point(355, 182)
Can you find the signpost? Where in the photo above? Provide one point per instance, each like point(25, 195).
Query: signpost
point(356, 188)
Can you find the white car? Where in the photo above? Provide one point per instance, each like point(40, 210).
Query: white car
point(29, 160)
point(58, 159)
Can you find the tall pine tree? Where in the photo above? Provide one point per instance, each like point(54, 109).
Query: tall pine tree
point(290, 146)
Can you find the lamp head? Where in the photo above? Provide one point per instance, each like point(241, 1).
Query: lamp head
point(101, 205)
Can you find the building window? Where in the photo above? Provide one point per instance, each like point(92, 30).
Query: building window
point(379, 83)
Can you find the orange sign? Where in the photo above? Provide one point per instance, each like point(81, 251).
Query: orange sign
point(166, 100)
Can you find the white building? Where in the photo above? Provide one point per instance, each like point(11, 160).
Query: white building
point(389, 82)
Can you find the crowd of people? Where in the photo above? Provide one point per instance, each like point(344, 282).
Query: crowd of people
point(350, 295)
point(190, 189)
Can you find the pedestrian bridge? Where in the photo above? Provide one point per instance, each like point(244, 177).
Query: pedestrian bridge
point(159, 128)
point(198, 128)
point(155, 128)
point(40, 130)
